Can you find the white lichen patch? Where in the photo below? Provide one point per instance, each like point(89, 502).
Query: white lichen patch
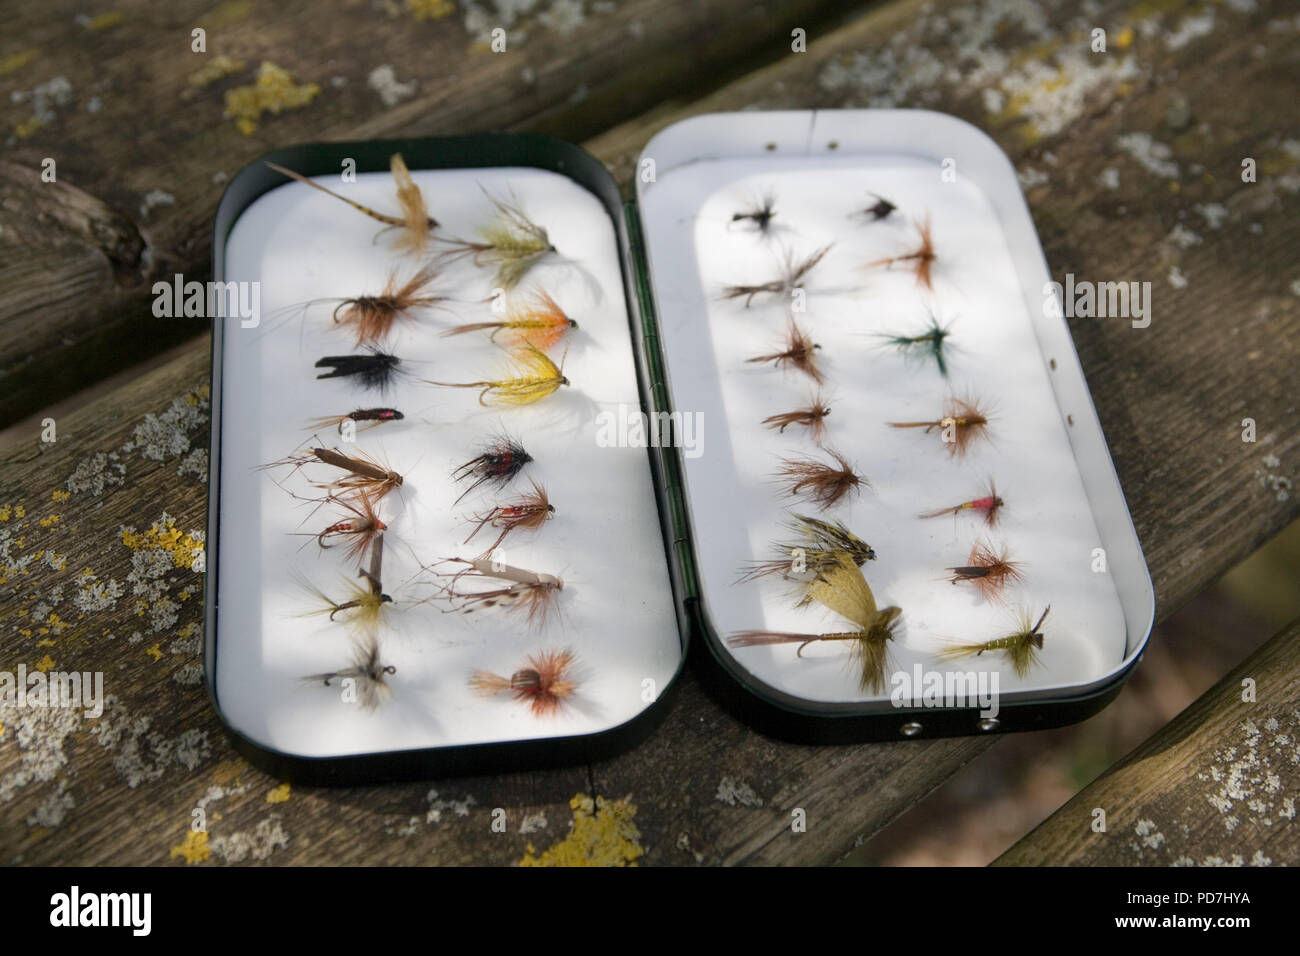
point(141, 754)
point(51, 811)
point(165, 436)
point(101, 470)
point(1182, 237)
point(1214, 213)
point(1153, 156)
point(383, 80)
point(735, 792)
point(533, 823)
point(1191, 28)
point(195, 463)
point(439, 805)
point(1176, 278)
point(154, 198)
point(257, 844)
point(1109, 178)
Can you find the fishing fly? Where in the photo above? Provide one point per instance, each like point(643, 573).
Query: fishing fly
point(529, 377)
point(545, 681)
point(536, 320)
point(793, 273)
point(963, 421)
point(361, 418)
point(989, 506)
point(1020, 647)
point(800, 353)
point(365, 475)
point(375, 370)
point(818, 481)
point(758, 213)
point(415, 222)
point(528, 513)
point(530, 593)
point(372, 317)
point(990, 571)
point(498, 463)
point(513, 243)
point(926, 345)
point(882, 208)
point(358, 531)
point(368, 672)
point(364, 602)
point(816, 549)
point(845, 591)
point(812, 417)
point(921, 259)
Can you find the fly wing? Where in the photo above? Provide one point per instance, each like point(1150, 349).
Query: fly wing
point(845, 591)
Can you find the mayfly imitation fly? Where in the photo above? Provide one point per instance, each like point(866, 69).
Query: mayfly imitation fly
point(817, 548)
point(536, 320)
point(415, 222)
point(368, 672)
point(544, 682)
point(927, 344)
point(365, 602)
point(365, 475)
point(513, 243)
point(793, 273)
point(963, 421)
point(361, 418)
point(817, 481)
point(527, 513)
point(989, 506)
point(1020, 647)
point(375, 370)
point(529, 377)
point(358, 531)
point(501, 459)
point(990, 571)
point(922, 258)
point(800, 353)
point(845, 591)
point(812, 417)
point(530, 593)
point(882, 208)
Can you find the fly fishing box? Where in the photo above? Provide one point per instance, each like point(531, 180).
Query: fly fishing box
point(884, 467)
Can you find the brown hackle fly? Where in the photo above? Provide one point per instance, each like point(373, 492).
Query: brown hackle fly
point(988, 570)
point(921, 259)
point(963, 421)
point(545, 681)
point(532, 594)
point(527, 513)
point(800, 353)
point(792, 276)
point(812, 417)
point(818, 481)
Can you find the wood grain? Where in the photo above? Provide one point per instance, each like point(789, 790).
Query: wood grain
point(142, 152)
point(1217, 785)
point(707, 789)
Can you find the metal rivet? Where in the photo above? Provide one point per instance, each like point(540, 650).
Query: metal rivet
point(1069, 419)
point(989, 723)
point(1052, 363)
point(833, 144)
point(770, 147)
point(910, 729)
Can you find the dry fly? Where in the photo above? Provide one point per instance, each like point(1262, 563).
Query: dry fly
point(368, 672)
point(530, 593)
point(1020, 647)
point(374, 370)
point(365, 475)
point(990, 571)
point(358, 531)
point(527, 513)
point(758, 213)
point(811, 417)
point(513, 243)
point(800, 353)
point(792, 276)
point(989, 505)
point(817, 481)
point(363, 602)
point(415, 222)
point(922, 258)
point(817, 548)
point(882, 208)
point(845, 591)
point(536, 320)
point(544, 682)
point(502, 459)
point(529, 377)
point(963, 421)
point(372, 317)
point(361, 418)
point(927, 344)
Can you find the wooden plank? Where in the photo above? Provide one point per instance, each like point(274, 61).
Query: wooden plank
point(1216, 786)
point(705, 788)
point(142, 149)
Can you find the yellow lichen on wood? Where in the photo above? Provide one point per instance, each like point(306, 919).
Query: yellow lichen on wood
point(217, 68)
point(16, 61)
point(45, 664)
point(1124, 39)
point(273, 92)
point(59, 495)
point(106, 20)
point(603, 834)
point(183, 548)
point(278, 794)
point(430, 9)
point(194, 848)
point(155, 652)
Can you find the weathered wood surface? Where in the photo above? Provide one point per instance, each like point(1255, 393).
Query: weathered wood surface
point(1216, 786)
point(142, 147)
point(706, 789)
